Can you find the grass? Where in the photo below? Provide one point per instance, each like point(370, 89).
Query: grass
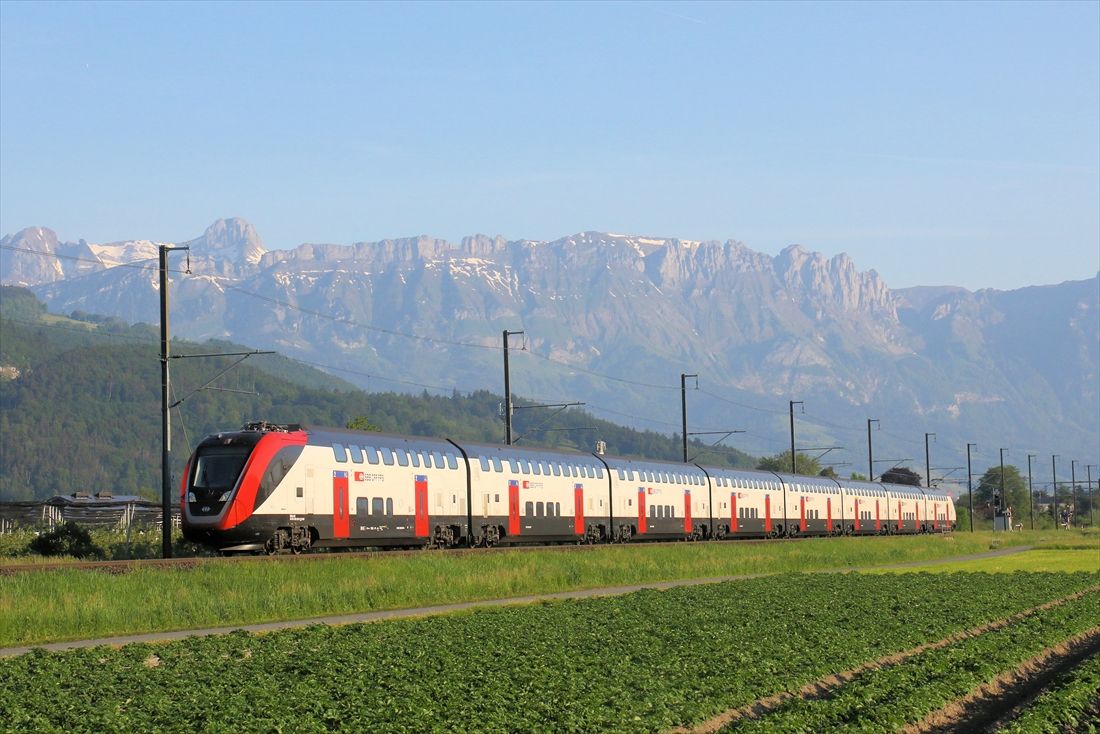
point(1039, 560)
point(65, 604)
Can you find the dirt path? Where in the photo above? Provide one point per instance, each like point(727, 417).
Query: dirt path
point(825, 686)
point(450, 608)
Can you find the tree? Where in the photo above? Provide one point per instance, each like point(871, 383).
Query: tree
point(856, 476)
point(987, 495)
point(902, 475)
point(360, 423)
point(828, 472)
point(804, 465)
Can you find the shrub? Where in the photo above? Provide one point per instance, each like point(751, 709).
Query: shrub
point(69, 539)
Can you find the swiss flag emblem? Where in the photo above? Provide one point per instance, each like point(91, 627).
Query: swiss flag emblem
point(526, 484)
point(358, 476)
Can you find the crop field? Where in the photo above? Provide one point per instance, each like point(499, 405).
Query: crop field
point(1070, 706)
point(67, 604)
point(648, 661)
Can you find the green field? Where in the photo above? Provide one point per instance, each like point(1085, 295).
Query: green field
point(38, 607)
point(646, 661)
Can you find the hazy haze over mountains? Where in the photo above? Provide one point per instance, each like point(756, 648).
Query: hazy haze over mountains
point(614, 319)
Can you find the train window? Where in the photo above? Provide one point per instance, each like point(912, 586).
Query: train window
point(484, 463)
point(356, 454)
point(513, 465)
point(545, 465)
point(454, 499)
point(556, 467)
point(653, 510)
point(529, 509)
point(387, 456)
point(496, 498)
point(525, 465)
point(452, 461)
point(415, 458)
point(402, 457)
point(539, 509)
point(557, 509)
point(340, 453)
point(377, 506)
point(496, 464)
point(389, 505)
point(629, 502)
point(620, 471)
point(537, 468)
point(425, 459)
point(599, 472)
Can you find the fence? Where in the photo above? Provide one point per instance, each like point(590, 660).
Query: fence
point(103, 513)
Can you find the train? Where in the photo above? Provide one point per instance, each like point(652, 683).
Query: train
point(291, 488)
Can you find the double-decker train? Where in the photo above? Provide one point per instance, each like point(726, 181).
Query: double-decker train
point(288, 487)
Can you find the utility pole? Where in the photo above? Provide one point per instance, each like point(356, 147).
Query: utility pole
point(1001, 503)
point(794, 403)
point(970, 484)
point(684, 410)
point(1092, 505)
point(1073, 489)
point(1054, 483)
point(1030, 491)
point(870, 455)
point(927, 462)
point(165, 421)
point(508, 390)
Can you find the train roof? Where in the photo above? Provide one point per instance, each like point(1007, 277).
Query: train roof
point(818, 481)
point(618, 462)
point(529, 453)
point(328, 435)
point(755, 475)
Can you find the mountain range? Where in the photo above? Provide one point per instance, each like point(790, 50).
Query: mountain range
point(613, 320)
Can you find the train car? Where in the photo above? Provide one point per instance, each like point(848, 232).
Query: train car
point(746, 503)
point(864, 506)
point(654, 500)
point(523, 495)
point(813, 505)
point(905, 503)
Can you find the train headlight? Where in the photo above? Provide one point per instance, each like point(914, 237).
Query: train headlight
point(191, 497)
point(225, 496)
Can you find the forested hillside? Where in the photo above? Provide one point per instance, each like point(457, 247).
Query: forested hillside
point(80, 406)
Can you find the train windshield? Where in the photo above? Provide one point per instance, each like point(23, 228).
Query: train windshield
point(218, 467)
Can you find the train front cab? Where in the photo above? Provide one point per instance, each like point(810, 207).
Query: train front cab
point(232, 480)
point(654, 500)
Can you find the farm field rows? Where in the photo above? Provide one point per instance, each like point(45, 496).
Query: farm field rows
point(69, 604)
point(647, 661)
point(888, 698)
point(1070, 706)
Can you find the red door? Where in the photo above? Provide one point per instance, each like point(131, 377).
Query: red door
point(878, 521)
point(641, 510)
point(829, 513)
point(901, 524)
point(935, 517)
point(341, 523)
point(578, 509)
point(733, 511)
point(856, 518)
point(513, 507)
point(687, 510)
point(802, 513)
point(421, 500)
point(767, 513)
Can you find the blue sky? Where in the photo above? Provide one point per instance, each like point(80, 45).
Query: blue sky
point(937, 143)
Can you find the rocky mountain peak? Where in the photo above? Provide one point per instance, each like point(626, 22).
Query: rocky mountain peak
point(233, 239)
point(19, 265)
